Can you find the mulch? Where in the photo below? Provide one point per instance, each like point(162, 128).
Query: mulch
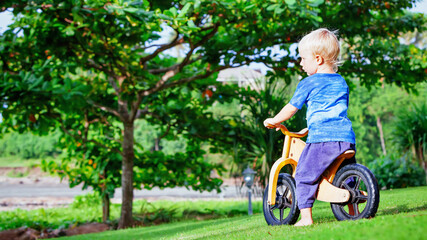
point(25, 233)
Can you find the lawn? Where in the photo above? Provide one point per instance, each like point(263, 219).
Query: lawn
point(402, 214)
point(14, 161)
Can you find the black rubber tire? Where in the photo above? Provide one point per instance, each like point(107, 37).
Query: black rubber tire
point(285, 183)
point(365, 181)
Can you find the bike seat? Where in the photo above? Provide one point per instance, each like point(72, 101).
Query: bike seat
point(330, 172)
point(347, 154)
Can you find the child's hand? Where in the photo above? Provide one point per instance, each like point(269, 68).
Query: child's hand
point(270, 123)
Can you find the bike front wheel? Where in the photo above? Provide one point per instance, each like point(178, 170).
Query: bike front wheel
point(285, 211)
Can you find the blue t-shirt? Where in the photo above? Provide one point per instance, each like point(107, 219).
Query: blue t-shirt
point(326, 97)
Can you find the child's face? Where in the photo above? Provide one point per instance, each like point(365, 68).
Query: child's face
point(309, 61)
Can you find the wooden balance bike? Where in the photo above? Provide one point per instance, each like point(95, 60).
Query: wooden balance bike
point(351, 188)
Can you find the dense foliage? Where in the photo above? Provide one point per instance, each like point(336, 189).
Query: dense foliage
point(381, 109)
point(27, 145)
point(410, 133)
point(394, 171)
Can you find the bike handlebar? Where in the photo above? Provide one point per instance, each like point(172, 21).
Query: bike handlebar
point(286, 132)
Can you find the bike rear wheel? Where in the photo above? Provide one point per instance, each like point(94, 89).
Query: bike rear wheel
point(364, 193)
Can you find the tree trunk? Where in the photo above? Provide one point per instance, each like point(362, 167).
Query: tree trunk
point(380, 128)
point(421, 158)
point(126, 219)
point(425, 169)
point(157, 144)
point(105, 207)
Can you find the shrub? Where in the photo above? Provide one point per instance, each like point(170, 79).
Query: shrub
point(88, 200)
point(397, 172)
point(28, 145)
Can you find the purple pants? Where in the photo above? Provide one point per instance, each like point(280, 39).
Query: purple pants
point(314, 160)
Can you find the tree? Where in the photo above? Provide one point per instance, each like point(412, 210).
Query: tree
point(410, 133)
point(384, 103)
point(85, 66)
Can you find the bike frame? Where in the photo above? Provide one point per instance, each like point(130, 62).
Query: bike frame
point(292, 150)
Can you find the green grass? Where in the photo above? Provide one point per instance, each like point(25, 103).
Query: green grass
point(14, 161)
point(402, 214)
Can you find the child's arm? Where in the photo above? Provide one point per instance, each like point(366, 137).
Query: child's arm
point(287, 112)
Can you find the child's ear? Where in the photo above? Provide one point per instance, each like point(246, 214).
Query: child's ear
point(319, 59)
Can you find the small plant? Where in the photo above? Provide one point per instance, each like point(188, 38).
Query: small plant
point(88, 200)
point(17, 174)
point(154, 216)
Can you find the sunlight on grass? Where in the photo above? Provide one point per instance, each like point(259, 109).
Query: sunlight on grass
point(382, 227)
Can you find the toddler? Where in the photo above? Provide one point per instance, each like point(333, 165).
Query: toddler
point(330, 132)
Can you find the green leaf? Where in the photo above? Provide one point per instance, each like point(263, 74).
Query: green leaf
point(290, 2)
point(36, 82)
point(131, 10)
point(167, 13)
point(197, 4)
point(184, 10)
point(173, 11)
point(250, 7)
point(279, 10)
point(316, 3)
point(191, 24)
point(69, 31)
point(272, 7)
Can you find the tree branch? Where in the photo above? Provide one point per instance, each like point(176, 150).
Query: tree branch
point(106, 109)
point(187, 80)
point(165, 133)
point(135, 107)
point(113, 83)
point(109, 73)
point(177, 41)
point(163, 47)
point(172, 71)
point(147, 47)
point(163, 70)
point(139, 112)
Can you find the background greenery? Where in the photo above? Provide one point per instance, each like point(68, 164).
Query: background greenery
point(394, 106)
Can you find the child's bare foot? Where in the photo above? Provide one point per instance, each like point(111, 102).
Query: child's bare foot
point(303, 222)
point(306, 218)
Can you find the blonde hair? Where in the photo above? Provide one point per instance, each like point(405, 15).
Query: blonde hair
point(324, 43)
